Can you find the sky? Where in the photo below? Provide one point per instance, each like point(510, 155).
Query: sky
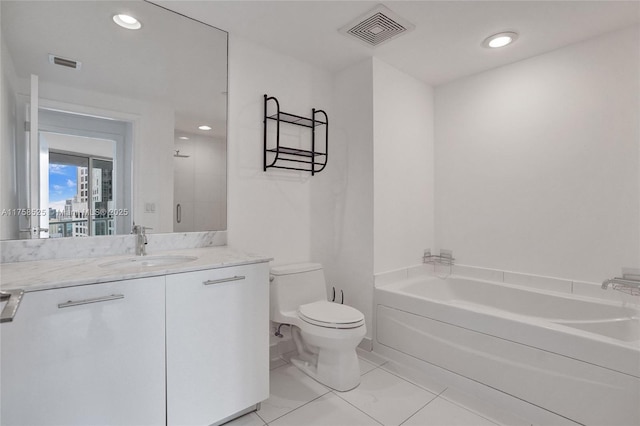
point(62, 184)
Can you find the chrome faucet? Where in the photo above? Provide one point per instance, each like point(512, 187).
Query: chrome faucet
point(624, 281)
point(445, 257)
point(141, 239)
point(606, 283)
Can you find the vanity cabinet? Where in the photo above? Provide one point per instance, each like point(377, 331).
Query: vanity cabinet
point(87, 355)
point(217, 343)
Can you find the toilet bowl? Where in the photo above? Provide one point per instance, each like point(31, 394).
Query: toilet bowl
point(326, 334)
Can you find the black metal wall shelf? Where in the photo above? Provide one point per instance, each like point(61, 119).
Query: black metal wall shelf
point(313, 160)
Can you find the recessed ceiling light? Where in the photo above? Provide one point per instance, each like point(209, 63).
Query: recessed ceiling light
point(500, 39)
point(204, 127)
point(184, 138)
point(127, 21)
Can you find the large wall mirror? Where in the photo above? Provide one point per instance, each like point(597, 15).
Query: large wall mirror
point(104, 126)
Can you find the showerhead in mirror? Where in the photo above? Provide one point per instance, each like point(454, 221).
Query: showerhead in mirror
point(178, 155)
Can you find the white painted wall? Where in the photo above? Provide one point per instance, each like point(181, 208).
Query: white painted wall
point(537, 163)
point(8, 178)
point(70, 143)
point(270, 212)
point(342, 195)
point(403, 165)
point(373, 205)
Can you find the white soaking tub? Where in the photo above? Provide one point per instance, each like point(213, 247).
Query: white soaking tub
point(576, 357)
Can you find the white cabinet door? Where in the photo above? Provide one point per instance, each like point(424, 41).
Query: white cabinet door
point(217, 343)
point(87, 355)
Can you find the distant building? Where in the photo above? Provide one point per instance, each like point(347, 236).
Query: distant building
point(74, 220)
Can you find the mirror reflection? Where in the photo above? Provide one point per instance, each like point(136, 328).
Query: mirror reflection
point(106, 125)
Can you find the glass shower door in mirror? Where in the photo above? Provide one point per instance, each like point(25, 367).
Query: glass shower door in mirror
point(199, 182)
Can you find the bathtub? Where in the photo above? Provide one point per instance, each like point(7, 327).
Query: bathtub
point(576, 357)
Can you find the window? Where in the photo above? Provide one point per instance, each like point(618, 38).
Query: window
point(69, 203)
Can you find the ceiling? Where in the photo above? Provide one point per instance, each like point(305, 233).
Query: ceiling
point(445, 45)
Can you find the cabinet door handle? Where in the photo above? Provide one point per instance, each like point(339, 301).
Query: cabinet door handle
point(178, 213)
point(71, 303)
point(224, 280)
point(13, 298)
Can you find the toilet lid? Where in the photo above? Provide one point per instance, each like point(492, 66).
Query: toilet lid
point(331, 315)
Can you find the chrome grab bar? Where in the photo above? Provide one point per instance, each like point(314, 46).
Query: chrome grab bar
point(71, 303)
point(224, 280)
point(13, 297)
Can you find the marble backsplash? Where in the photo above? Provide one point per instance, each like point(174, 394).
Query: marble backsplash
point(116, 245)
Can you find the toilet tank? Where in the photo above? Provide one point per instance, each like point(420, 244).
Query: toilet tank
point(294, 285)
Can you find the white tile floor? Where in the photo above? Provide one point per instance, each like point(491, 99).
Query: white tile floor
point(383, 398)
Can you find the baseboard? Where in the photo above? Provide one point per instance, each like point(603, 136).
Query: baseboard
point(366, 344)
point(281, 347)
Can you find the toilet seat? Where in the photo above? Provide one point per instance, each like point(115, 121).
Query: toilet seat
point(330, 315)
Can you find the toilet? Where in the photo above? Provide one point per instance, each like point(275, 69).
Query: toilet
point(325, 333)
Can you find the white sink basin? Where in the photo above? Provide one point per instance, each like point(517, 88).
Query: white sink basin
point(147, 261)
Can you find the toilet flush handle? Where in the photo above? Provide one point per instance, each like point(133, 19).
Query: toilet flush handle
point(333, 298)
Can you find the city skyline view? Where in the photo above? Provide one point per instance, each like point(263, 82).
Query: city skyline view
point(63, 184)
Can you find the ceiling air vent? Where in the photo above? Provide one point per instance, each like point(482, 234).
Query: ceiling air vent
point(64, 62)
point(377, 26)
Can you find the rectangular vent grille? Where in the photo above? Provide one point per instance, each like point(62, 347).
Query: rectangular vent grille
point(64, 62)
point(377, 29)
point(377, 26)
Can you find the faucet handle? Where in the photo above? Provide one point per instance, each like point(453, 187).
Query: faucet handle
point(139, 229)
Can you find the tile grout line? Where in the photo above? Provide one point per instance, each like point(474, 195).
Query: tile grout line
point(401, 378)
point(437, 395)
point(338, 395)
point(291, 411)
point(328, 391)
point(411, 382)
point(373, 369)
point(468, 409)
point(260, 417)
point(421, 408)
point(363, 412)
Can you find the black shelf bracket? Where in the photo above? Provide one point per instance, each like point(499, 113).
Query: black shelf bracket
point(312, 160)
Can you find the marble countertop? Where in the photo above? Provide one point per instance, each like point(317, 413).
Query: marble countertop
point(58, 273)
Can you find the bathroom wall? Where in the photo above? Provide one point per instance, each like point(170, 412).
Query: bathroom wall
point(8, 182)
point(269, 213)
point(403, 165)
point(537, 162)
point(373, 208)
point(329, 217)
point(342, 195)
